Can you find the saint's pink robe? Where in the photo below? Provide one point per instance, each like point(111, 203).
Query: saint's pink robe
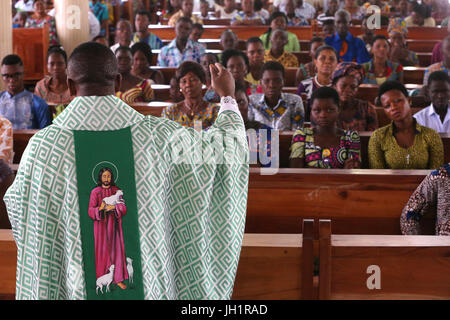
point(108, 235)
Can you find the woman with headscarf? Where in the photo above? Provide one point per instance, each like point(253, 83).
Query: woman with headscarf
point(356, 115)
point(398, 31)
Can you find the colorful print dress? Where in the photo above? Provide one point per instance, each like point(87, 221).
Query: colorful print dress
point(303, 147)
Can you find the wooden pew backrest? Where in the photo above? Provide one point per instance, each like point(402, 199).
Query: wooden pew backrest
point(276, 266)
point(31, 45)
point(8, 262)
point(383, 267)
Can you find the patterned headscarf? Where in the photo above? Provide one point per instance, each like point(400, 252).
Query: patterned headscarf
point(398, 25)
point(348, 69)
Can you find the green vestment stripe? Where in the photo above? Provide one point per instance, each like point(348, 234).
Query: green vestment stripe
point(108, 214)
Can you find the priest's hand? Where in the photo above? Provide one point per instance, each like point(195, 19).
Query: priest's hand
point(102, 206)
point(221, 80)
point(110, 208)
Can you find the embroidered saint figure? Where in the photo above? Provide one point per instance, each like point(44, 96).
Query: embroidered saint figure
point(106, 208)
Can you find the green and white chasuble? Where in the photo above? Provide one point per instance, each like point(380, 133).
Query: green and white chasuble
point(109, 204)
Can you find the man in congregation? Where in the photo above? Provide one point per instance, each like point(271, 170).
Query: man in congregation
point(123, 35)
point(181, 48)
point(21, 107)
point(436, 116)
point(142, 34)
point(248, 16)
point(444, 65)
point(348, 47)
point(155, 163)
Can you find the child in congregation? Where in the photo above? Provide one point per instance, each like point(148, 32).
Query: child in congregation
point(228, 10)
point(278, 20)
point(324, 145)
point(277, 53)
point(196, 33)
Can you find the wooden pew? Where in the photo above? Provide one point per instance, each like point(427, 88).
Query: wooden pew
point(413, 75)
point(285, 138)
point(31, 45)
point(276, 266)
point(156, 52)
point(271, 266)
point(414, 33)
point(243, 32)
point(153, 108)
point(422, 46)
point(383, 267)
point(8, 262)
point(20, 142)
point(358, 201)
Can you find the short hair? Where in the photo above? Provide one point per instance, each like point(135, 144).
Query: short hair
point(325, 93)
point(57, 50)
point(328, 22)
point(380, 37)
point(438, 76)
point(229, 31)
point(229, 53)
point(98, 37)
point(422, 10)
point(316, 39)
point(144, 48)
point(123, 48)
point(143, 13)
point(12, 59)
point(184, 19)
point(197, 26)
point(391, 85)
point(254, 40)
point(92, 63)
point(211, 54)
point(323, 48)
point(344, 13)
point(273, 66)
point(190, 66)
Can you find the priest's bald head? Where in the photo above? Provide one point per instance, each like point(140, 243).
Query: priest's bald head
point(92, 70)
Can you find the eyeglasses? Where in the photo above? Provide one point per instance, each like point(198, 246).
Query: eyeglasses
point(14, 76)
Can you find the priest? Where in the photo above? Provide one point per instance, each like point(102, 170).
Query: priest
point(185, 193)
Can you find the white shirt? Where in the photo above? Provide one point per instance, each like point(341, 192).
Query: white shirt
point(117, 45)
point(429, 118)
point(306, 10)
point(225, 15)
point(24, 6)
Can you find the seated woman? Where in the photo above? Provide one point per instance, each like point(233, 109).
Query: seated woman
point(238, 64)
point(325, 145)
point(276, 53)
point(398, 31)
point(308, 70)
point(193, 110)
point(432, 196)
point(380, 69)
point(53, 88)
point(132, 89)
point(403, 144)
point(142, 59)
point(356, 115)
point(278, 20)
point(325, 60)
point(420, 17)
point(39, 18)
